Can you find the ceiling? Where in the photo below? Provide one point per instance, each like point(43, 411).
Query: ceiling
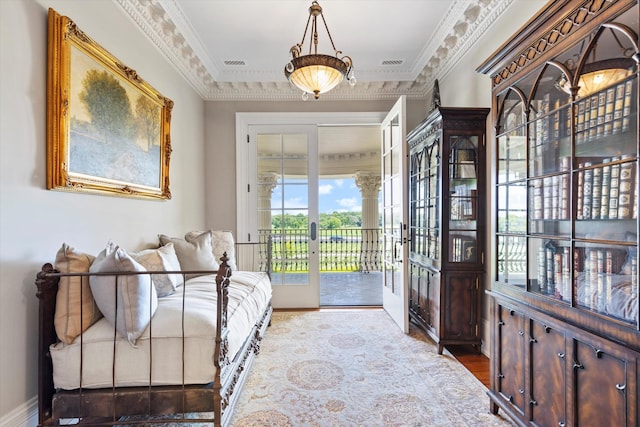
point(237, 49)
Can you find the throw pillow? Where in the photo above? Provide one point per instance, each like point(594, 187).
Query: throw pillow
point(195, 255)
point(222, 241)
point(163, 258)
point(134, 297)
point(76, 309)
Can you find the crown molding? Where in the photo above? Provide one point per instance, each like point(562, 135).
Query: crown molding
point(163, 22)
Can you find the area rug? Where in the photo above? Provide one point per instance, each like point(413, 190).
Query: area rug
point(356, 368)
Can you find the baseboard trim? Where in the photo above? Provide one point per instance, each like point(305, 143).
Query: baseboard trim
point(25, 415)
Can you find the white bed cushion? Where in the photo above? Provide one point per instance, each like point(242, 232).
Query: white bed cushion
point(193, 255)
point(133, 366)
point(221, 241)
point(135, 296)
point(76, 309)
point(162, 258)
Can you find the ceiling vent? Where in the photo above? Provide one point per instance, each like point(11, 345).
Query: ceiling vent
point(235, 63)
point(392, 62)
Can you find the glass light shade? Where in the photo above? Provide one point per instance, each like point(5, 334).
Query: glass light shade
point(316, 73)
point(598, 75)
point(593, 82)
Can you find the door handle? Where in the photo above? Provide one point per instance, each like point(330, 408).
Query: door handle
point(313, 230)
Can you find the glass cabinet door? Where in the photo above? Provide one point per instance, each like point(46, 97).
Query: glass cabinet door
point(567, 177)
point(463, 198)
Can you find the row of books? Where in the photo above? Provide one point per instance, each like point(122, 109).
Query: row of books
point(605, 113)
point(598, 115)
point(608, 190)
point(551, 194)
point(596, 272)
point(462, 248)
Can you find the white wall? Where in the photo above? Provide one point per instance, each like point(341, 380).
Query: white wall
point(476, 92)
point(34, 221)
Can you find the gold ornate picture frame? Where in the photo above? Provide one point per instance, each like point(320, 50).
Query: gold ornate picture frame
point(107, 129)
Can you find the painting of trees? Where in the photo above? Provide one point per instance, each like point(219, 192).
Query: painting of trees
point(108, 105)
point(148, 120)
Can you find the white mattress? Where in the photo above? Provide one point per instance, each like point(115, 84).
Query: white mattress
point(160, 360)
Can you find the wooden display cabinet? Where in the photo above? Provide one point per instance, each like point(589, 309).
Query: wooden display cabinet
point(565, 326)
point(446, 224)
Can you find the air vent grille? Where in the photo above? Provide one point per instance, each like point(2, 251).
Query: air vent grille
point(235, 63)
point(392, 62)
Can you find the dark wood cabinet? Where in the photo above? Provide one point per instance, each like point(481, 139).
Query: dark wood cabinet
point(447, 223)
point(565, 325)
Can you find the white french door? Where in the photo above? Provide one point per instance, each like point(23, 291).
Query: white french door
point(286, 211)
point(395, 215)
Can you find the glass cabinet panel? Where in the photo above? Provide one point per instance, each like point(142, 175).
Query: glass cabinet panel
point(567, 176)
point(606, 280)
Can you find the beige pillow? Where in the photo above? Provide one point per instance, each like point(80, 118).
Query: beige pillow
point(221, 241)
point(194, 255)
point(135, 296)
point(76, 309)
point(163, 258)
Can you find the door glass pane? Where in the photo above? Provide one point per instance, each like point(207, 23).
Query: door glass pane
point(283, 205)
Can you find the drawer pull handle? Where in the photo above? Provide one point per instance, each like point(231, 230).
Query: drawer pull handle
point(500, 375)
point(561, 424)
point(533, 340)
point(547, 329)
point(521, 390)
point(621, 387)
point(578, 365)
point(521, 333)
point(512, 312)
point(561, 355)
point(533, 402)
point(501, 323)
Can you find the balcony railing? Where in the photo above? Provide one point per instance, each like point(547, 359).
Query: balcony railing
point(344, 249)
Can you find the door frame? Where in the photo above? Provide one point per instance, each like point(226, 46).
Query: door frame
point(246, 224)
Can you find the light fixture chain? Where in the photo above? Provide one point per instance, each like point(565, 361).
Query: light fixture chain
point(328, 33)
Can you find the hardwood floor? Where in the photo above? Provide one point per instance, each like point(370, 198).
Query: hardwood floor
point(476, 363)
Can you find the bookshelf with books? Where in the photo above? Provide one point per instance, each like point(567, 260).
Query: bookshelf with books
point(569, 107)
point(446, 224)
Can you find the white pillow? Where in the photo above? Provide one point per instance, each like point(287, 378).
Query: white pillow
point(222, 241)
point(135, 296)
point(76, 309)
point(162, 258)
point(194, 255)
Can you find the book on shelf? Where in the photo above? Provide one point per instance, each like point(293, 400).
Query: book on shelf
point(593, 117)
point(626, 189)
point(618, 107)
point(628, 105)
point(605, 190)
point(587, 191)
point(580, 192)
point(462, 248)
point(608, 111)
point(596, 192)
point(614, 188)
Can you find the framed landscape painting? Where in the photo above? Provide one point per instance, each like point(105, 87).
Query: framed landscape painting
point(107, 129)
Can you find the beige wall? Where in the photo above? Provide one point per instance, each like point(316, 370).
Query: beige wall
point(221, 141)
point(33, 221)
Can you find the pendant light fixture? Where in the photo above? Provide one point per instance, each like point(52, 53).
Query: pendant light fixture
point(317, 73)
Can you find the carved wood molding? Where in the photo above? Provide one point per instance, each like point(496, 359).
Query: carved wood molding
point(583, 13)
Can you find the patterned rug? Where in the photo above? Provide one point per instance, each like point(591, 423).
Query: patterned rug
point(356, 368)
